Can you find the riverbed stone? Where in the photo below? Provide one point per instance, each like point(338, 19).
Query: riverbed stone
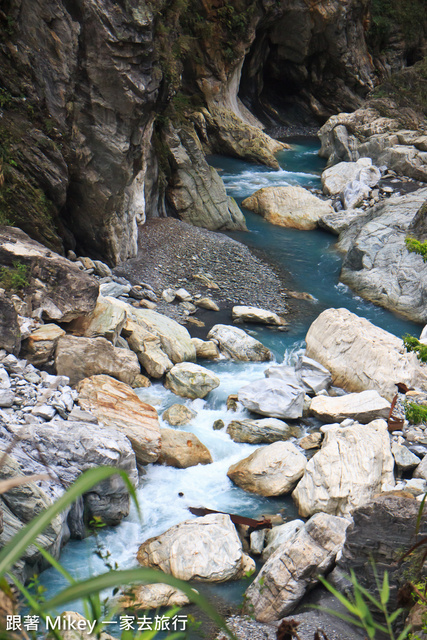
point(353, 464)
point(182, 449)
point(39, 347)
point(256, 315)
point(174, 338)
point(264, 431)
point(363, 407)
point(80, 358)
point(354, 193)
point(311, 441)
point(295, 566)
point(206, 349)
point(269, 471)
point(153, 596)
point(361, 356)
point(337, 177)
point(148, 348)
point(236, 344)
point(10, 333)
point(277, 536)
point(206, 303)
point(291, 206)
point(378, 265)
point(56, 286)
point(273, 398)
point(178, 414)
point(190, 380)
point(204, 549)
point(106, 320)
point(405, 460)
point(116, 405)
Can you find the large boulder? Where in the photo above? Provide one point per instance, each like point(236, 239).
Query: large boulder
point(190, 380)
point(236, 344)
point(381, 531)
point(106, 320)
point(292, 207)
point(10, 333)
point(256, 315)
point(269, 471)
point(80, 358)
point(363, 407)
point(182, 449)
point(307, 374)
point(277, 536)
point(174, 338)
point(55, 285)
point(116, 405)
point(378, 265)
point(353, 464)
point(265, 431)
point(206, 349)
point(295, 566)
point(148, 348)
point(67, 449)
point(361, 356)
point(273, 397)
point(39, 348)
point(205, 549)
point(337, 177)
point(178, 414)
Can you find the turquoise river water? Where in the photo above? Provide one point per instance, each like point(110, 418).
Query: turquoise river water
point(314, 266)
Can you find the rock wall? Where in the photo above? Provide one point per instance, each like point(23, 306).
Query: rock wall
point(90, 89)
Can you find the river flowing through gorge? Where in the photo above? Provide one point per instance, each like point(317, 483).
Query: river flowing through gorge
point(314, 266)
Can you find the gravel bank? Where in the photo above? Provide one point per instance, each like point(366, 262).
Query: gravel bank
point(174, 254)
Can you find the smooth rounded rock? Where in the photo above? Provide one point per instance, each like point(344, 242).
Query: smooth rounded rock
point(190, 380)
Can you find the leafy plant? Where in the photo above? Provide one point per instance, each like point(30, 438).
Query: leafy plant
point(359, 611)
point(415, 246)
point(15, 277)
point(415, 413)
point(413, 344)
point(88, 589)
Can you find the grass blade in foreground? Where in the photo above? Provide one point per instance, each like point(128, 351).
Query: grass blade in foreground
point(130, 576)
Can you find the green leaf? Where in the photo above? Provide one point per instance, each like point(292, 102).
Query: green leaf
point(345, 601)
point(385, 590)
point(405, 633)
point(420, 514)
point(336, 614)
point(392, 617)
point(28, 534)
point(130, 576)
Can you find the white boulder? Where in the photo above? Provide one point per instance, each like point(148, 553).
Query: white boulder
point(273, 398)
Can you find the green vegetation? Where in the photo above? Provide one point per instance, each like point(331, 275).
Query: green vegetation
point(408, 88)
point(408, 16)
point(15, 277)
point(415, 246)
point(358, 606)
point(415, 413)
point(413, 344)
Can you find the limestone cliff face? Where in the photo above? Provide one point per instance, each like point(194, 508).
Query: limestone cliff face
point(103, 104)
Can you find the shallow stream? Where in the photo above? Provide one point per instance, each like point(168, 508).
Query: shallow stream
point(314, 265)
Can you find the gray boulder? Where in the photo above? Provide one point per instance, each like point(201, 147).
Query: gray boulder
point(236, 344)
point(269, 471)
point(378, 265)
point(80, 358)
point(295, 566)
point(205, 549)
point(190, 380)
point(265, 431)
point(273, 398)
